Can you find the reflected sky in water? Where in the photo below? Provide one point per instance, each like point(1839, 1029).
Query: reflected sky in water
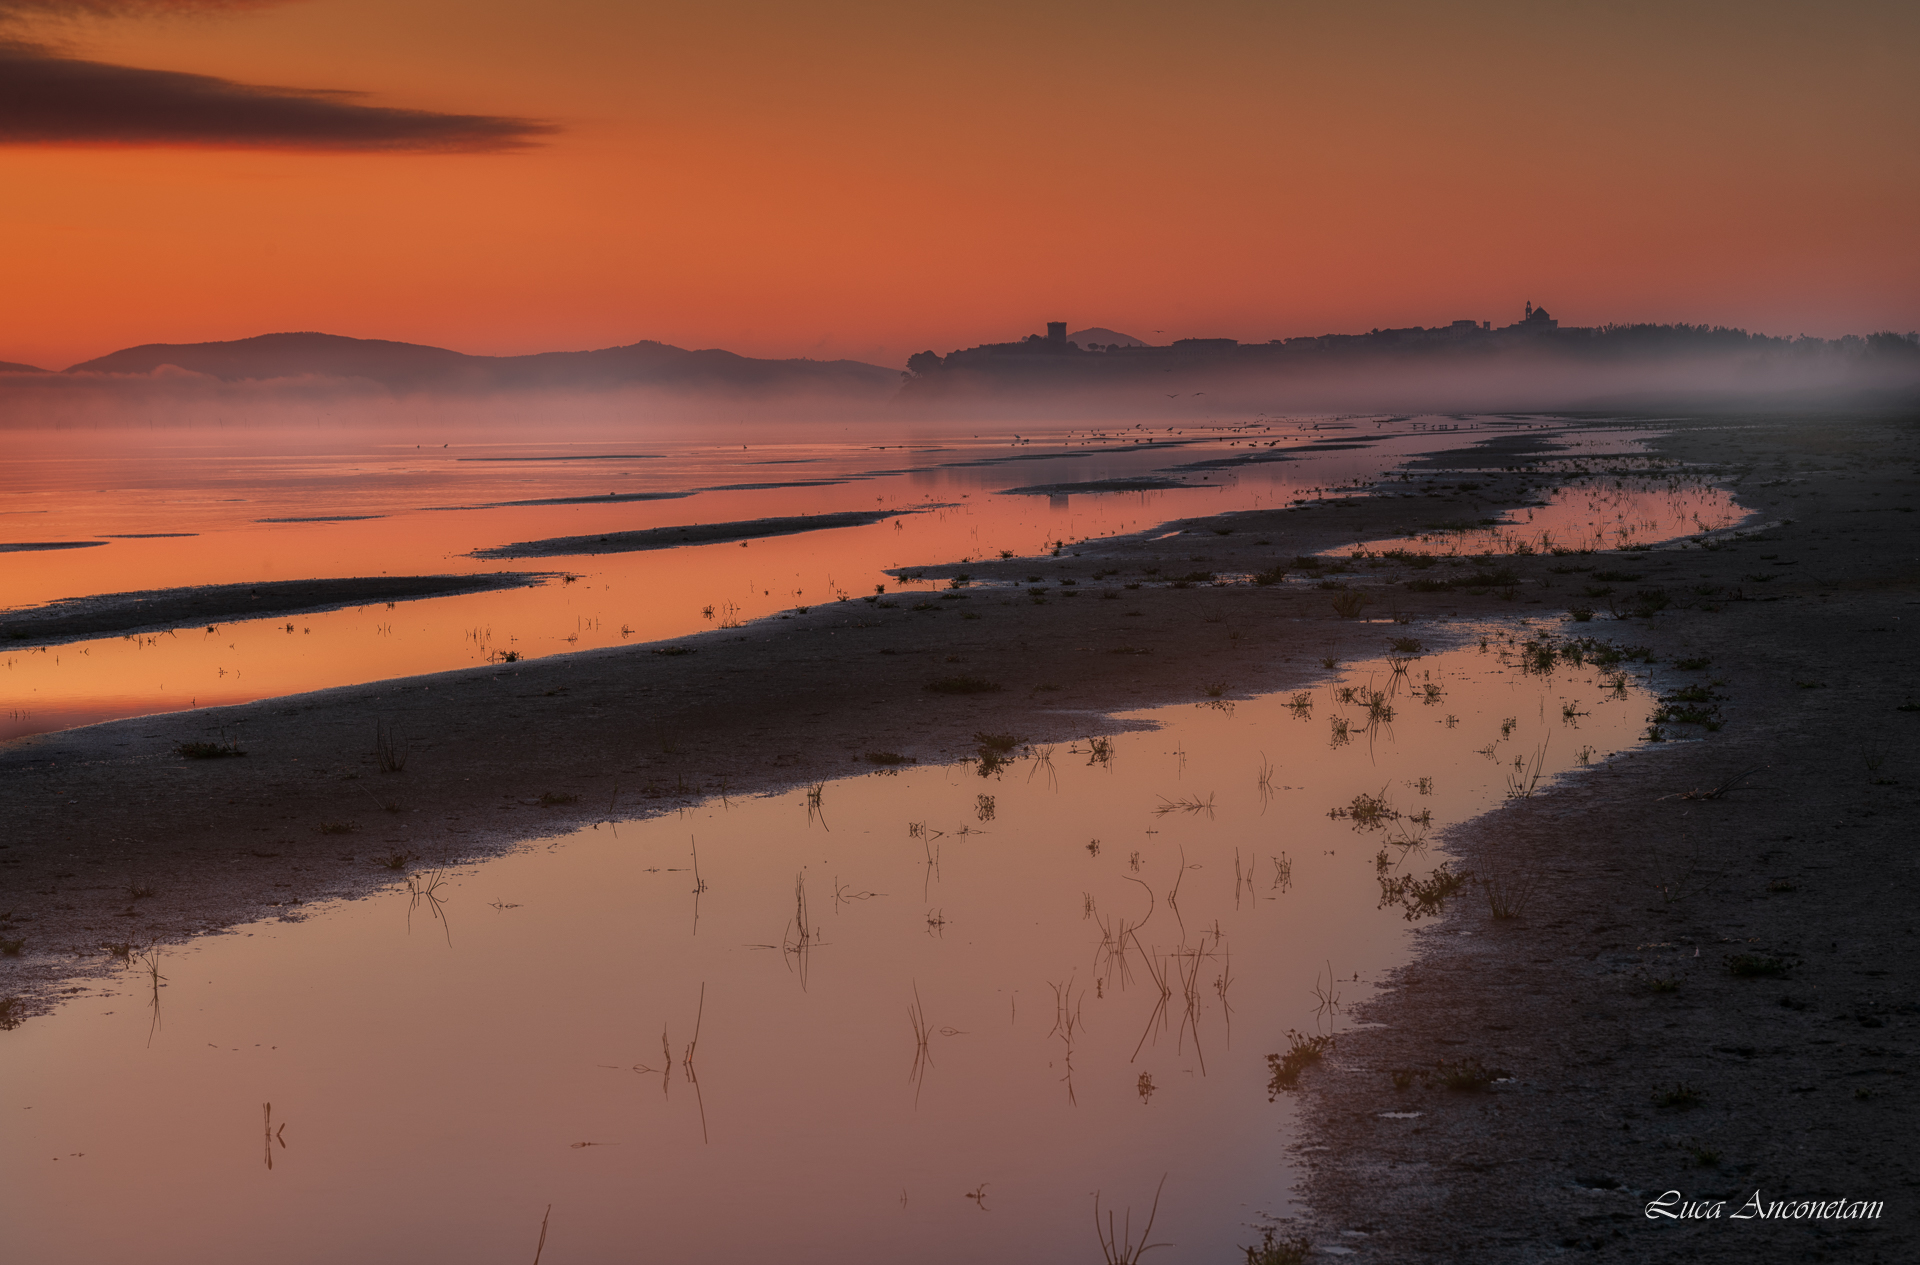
point(922, 1013)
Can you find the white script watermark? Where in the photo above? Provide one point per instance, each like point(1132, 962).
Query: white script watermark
point(1674, 1206)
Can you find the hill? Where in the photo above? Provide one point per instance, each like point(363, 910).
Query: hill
point(415, 367)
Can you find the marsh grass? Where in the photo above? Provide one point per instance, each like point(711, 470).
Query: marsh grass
point(922, 1036)
point(1721, 790)
point(1291, 1250)
point(12, 948)
point(1302, 1053)
point(1508, 892)
point(390, 748)
point(1526, 773)
point(1192, 805)
point(1349, 604)
point(1422, 898)
point(338, 827)
point(1116, 1242)
point(1366, 812)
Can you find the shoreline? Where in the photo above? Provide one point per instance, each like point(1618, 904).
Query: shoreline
point(501, 754)
point(1714, 995)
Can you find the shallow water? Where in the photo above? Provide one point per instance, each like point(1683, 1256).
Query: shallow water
point(942, 1055)
point(1586, 513)
point(257, 507)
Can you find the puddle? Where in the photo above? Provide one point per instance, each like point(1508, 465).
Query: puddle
point(370, 511)
point(1579, 514)
point(894, 1017)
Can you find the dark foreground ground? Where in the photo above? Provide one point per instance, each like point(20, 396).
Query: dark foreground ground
point(1637, 1061)
point(1715, 996)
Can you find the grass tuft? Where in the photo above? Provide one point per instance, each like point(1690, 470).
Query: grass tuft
point(1291, 1250)
point(1302, 1053)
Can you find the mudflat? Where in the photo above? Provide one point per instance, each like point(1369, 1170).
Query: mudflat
point(1708, 983)
point(1708, 978)
point(153, 610)
point(674, 537)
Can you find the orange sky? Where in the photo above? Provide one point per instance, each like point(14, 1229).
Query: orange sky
point(868, 180)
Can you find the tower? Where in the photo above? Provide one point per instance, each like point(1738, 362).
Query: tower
point(1057, 333)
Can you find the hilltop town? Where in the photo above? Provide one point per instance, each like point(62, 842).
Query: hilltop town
point(1055, 358)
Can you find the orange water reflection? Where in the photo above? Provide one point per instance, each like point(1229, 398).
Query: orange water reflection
point(941, 1059)
point(388, 513)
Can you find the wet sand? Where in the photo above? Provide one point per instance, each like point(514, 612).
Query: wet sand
point(156, 610)
point(1711, 995)
point(692, 534)
point(1809, 674)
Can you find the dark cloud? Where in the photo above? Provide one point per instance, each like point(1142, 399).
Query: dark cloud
point(48, 99)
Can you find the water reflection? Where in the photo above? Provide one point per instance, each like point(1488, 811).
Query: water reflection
point(1104, 948)
point(388, 525)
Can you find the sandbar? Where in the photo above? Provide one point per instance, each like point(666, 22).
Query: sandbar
point(691, 534)
point(152, 610)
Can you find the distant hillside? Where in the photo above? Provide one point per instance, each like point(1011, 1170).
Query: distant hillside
point(7, 366)
point(412, 367)
point(1101, 336)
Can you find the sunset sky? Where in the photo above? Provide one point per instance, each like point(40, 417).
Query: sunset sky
point(868, 180)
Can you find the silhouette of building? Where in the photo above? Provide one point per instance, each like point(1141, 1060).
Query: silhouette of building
point(1537, 318)
point(1057, 333)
